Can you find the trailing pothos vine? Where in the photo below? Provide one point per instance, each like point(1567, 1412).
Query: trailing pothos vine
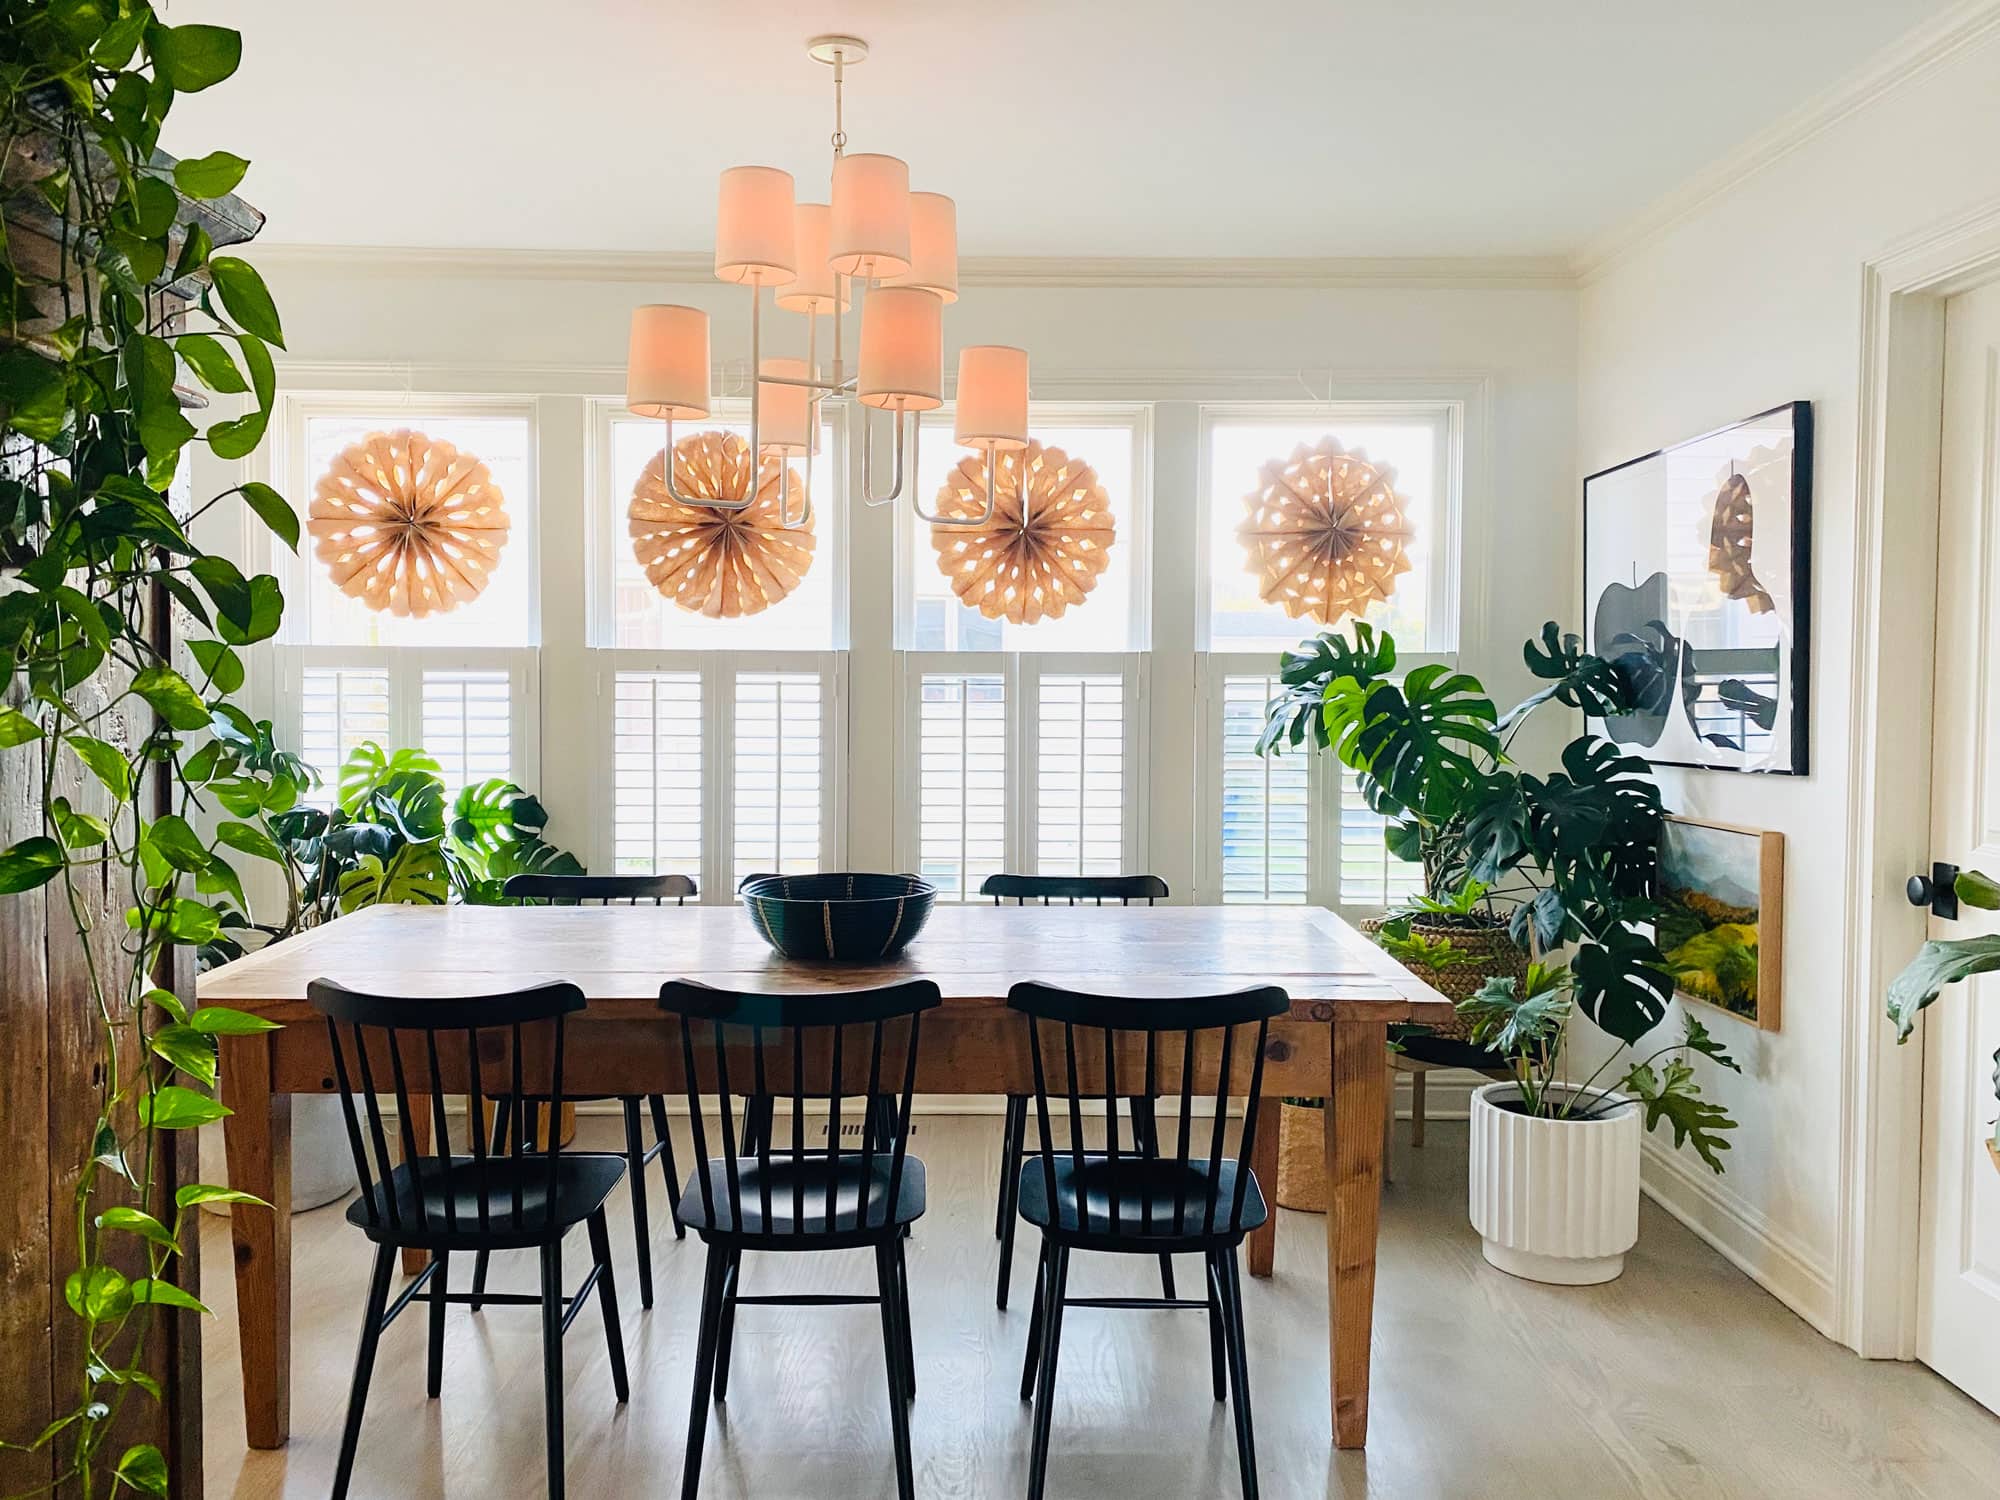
point(113, 294)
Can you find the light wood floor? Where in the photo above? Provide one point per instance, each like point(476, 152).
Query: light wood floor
point(1682, 1379)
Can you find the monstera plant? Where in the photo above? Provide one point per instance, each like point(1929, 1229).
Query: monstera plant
point(1569, 857)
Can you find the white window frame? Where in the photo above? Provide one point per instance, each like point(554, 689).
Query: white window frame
point(1021, 673)
point(718, 671)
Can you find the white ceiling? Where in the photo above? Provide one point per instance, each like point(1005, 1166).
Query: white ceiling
point(1283, 128)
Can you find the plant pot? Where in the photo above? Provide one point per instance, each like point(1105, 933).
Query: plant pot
point(1301, 1158)
point(1554, 1200)
point(1495, 950)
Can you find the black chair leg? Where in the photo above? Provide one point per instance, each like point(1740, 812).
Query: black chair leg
point(607, 1301)
point(903, 1306)
point(1034, 1352)
point(704, 1369)
point(635, 1172)
point(1045, 1389)
point(894, 1343)
point(364, 1366)
point(725, 1327)
point(434, 1374)
point(1015, 1103)
point(1010, 1192)
point(552, 1365)
point(502, 1107)
point(1239, 1375)
point(1217, 1352)
point(668, 1169)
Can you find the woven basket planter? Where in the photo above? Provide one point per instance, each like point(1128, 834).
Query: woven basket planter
point(1301, 1159)
point(1499, 959)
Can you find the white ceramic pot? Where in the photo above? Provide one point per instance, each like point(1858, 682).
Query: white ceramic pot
point(1554, 1200)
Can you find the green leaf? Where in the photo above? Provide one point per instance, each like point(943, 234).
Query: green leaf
point(187, 1049)
point(1523, 1017)
point(245, 298)
point(167, 1001)
point(368, 766)
point(212, 176)
point(106, 762)
point(30, 863)
point(137, 1221)
point(149, 376)
point(1307, 672)
point(221, 1020)
point(162, 1293)
point(1940, 962)
point(77, 830)
point(240, 435)
point(249, 840)
point(267, 608)
point(203, 1192)
point(1972, 887)
point(210, 360)
point(275, 511)
point(415, 875)
point(1418, 740)
point(192, 58)
point(142, 1467)
point(172, 698)
point(16, 728)
point(99, 1293)
point(1672, 1095)
point(175, 1108)
point(219, 664)
point(1622, 983)
point(120, 40)
point(34, 394)
point(177, 843)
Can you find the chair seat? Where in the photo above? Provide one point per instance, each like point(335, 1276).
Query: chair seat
point(862, 1212)
point(1160, 1203)
point(583, 1180)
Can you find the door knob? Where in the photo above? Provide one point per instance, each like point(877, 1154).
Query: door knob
point(1937, 890)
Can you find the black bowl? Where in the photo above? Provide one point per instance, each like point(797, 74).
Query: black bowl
point(840, 917)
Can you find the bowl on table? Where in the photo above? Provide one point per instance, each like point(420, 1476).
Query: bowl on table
point(839, 917)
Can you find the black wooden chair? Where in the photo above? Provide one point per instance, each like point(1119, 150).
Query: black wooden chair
point(858, 1046)
point(609, 890)
point(1046, 889)
point(1131, 1202)
point(501, 1047)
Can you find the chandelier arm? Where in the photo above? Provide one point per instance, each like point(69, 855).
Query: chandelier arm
point(708, 502)
point(896, 471)
point(982, 519)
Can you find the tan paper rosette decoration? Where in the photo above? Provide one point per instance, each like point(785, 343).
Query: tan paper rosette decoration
point(1732, 530)
point(1327, 534)
point(1020, 571)
point(719, 563)
point(408, 524)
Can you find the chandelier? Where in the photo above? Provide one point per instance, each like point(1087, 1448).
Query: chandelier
point(875, 248)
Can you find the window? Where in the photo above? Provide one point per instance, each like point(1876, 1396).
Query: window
point(1080, 775)
point(1111, 617)
point(339, 708)
point(962, 781)
point(632, 614)
point(1421, 613)
point(1266, 811)
point(778, 807)
point(656, 773)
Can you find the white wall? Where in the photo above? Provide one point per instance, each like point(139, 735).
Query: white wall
point(388, 322)
point(1754, 299)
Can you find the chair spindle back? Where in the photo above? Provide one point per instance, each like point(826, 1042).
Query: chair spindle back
point(600, 890)
point(1124, 889)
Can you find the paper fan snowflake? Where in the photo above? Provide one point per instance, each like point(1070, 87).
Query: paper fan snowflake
point(408, 524)
point(1025, 570)
point(719, 563)
point(1326, 533)
point(1731, 526)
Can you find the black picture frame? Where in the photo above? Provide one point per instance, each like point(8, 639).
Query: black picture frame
point(1710, 752)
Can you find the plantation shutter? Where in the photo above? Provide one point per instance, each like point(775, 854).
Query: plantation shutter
point(1080, 791)
point(656, 773)
point(778, 754)
point(339, 707)
point(1369, 874)
point(962, 790)
point(1266, 809)
point(467, 725)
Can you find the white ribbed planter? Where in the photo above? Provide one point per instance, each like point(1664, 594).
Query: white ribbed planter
point(1554, 1200)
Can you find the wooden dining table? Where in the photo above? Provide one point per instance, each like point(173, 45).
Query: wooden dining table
point(1345, 994)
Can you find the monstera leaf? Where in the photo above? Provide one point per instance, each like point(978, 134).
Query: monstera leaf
point(1419, 740)
point(1599, 816)
point(413, 876)
point(496, 812)
point(480, 880)
point(1498, 826)
point(1308, 670)
point(1622, 983)
point(1575, 677)
point(369, 767)
point(1938, 963)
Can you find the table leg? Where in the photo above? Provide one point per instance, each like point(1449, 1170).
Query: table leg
point(1353, 1117)
point(257, 1138)
point(1263, 1244)
point(414, 1261)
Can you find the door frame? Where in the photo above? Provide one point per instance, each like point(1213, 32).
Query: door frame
point(1889, 814)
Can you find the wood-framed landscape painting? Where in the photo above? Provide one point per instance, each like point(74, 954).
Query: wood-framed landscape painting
point(1722, 916)
point(1697, 581)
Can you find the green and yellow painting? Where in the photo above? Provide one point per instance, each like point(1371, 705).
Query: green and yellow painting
point(1707, 927)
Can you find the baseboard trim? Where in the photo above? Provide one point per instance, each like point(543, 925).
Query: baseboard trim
point(1739, 1232)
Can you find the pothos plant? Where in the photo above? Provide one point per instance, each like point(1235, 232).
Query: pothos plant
point(93, 556)
point(1572, 856)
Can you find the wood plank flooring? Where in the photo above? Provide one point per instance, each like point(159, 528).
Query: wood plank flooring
point(1680, 1381)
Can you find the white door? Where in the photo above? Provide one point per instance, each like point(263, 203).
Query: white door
point(1959, 1291)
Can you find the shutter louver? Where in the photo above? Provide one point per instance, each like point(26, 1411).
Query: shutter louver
point(1265, 804)
point(778, 758)
point(656, 773)
point(468, 726)
point(1369, 874)
point(962, 795)
point(1080, 792)
point(339, 707)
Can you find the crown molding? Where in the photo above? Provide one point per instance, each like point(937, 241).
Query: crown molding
point(1470, 273)
point(1921, 51)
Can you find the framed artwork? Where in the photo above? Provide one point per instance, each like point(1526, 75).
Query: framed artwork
point(1697, 580)
point(1722, 916)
